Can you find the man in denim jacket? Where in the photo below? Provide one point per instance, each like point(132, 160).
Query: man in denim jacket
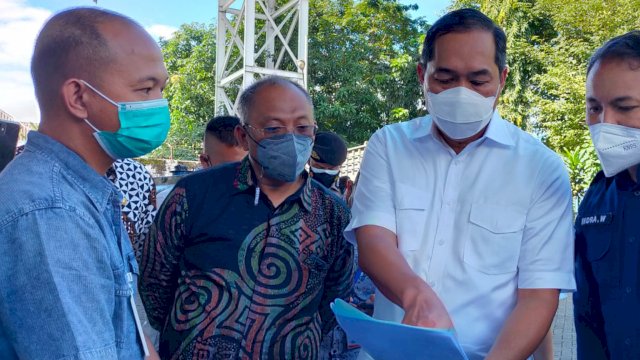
point(67, 267)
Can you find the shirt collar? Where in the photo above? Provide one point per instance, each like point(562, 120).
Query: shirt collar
point(421, 127)
point(245, 179)
point(624, 182)
point(496, 130)
point(95, 186)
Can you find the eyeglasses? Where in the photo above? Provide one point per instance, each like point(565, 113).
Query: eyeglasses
point(270, 131)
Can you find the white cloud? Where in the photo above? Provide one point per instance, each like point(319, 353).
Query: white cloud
point(161, 31)
point(19, 26)
point(17, 97)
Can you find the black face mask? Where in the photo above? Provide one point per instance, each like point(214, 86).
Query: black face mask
point(325, 179)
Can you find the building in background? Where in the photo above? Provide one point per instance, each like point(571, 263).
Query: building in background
point(5, 115)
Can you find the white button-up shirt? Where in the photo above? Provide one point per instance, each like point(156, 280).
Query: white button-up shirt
point(476, 226)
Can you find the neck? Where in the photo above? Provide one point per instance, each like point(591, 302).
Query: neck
point(459, 145)
point(78, 137)
point(633, 172)
point(277, 191)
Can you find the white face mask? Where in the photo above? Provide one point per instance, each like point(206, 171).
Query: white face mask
point(460, 112)
point(325, 171)
point(618, 146)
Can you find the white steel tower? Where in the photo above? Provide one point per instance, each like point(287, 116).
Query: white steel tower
point(257, 38)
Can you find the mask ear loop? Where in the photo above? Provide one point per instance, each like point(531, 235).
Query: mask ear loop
point(99, 93)
point(256, 198)
point(91, 125)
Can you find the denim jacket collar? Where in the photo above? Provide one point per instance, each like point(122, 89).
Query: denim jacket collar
point(97, 187)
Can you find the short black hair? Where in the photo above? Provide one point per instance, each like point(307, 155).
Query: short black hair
point(460, 21)
point(623, 47)
point(248, 95)
point(71, 44)
point(222, 127)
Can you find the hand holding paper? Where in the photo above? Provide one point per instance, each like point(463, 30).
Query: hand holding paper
point(423, 308)
point(385, 340)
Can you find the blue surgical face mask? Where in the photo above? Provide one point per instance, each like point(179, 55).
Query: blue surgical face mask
point(283, 157)
point(144, 126)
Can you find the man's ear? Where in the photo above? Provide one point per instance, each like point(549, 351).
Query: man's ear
point(503, 77)
point(420, 71)
point(204, 160)
point(241, 137)
point(74, 95)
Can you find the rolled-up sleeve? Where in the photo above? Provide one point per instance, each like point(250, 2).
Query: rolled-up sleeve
point(57, 295)
point(373, 199)
point(546, 256)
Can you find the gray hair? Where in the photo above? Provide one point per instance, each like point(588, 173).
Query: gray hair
point(248, 96)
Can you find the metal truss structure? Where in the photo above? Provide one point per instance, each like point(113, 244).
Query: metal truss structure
point(257, 38)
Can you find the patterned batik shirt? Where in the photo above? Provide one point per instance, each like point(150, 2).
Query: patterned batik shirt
point(225, 275)
point(138, 199)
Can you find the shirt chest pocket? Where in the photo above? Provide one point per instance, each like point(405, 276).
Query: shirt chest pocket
point(411, 217)
point(494, 238)
point(599, 251)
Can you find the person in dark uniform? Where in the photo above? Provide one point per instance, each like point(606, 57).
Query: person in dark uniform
point(607, 302)
point(328, 154)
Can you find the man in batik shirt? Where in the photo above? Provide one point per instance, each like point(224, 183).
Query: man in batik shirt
point(138, 198)
point(246, 257)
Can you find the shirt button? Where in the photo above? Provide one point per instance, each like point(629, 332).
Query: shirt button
point(629, 289)
point(432, 283)
point(441, 242)
point(632, 239)
point(627, 341)
point(636, 193)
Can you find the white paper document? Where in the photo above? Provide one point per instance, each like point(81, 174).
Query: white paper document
point(386, 340)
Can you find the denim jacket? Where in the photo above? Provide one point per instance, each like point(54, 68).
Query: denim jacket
point(66, 262)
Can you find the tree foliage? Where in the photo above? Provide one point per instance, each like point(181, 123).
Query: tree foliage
point(190, 59)
point(362, 57)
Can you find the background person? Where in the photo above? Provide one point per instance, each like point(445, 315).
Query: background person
point(328, 154)
point(220, 145)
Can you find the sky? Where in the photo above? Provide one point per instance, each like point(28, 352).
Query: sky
point(20, 21)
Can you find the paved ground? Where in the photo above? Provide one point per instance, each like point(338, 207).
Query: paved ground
point(564, 333)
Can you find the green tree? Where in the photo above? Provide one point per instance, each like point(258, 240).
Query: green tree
point(190, 60)
point(362, 58)
point(582, 165)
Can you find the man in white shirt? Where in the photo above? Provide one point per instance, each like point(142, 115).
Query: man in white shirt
point(462, 219)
